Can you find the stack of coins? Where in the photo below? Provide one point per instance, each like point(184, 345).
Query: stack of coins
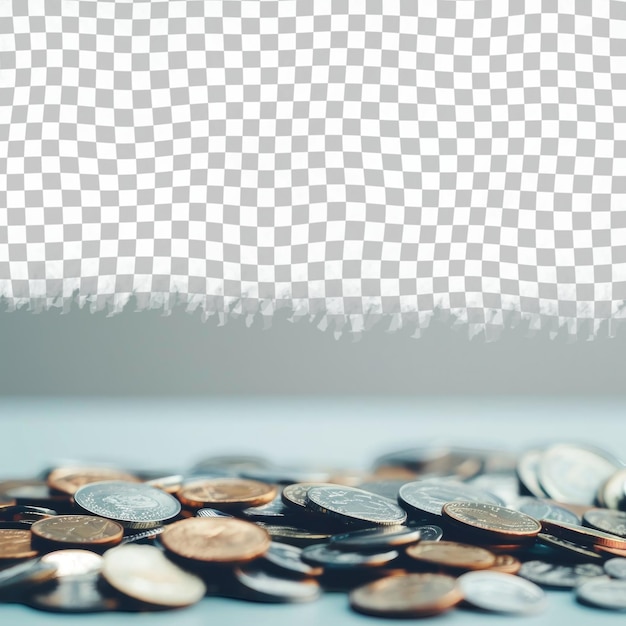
point(424, 531)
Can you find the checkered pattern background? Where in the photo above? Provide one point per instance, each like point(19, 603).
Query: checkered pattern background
point(355, 159)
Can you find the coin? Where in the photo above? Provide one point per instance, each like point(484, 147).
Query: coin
point(73, 562)
point(613, 522)
point(295, 535)
point(16, 544)
point(496, 520)
point(329, 557)
point(451, 554)
point(373, 538)
point(28, 572)
point(132, 505)
point(216, 540)
point(38, 494)
point(225, 493)
point(77, 530)
point(23, 513)
point(559, 575)
point(387, 488)
point(144, 536)
point(267, 512)
point(527, 471)
point(429, 496)
point(501, 593)
point(206, 512)
point(612, 494)
point(68, 480)
point(503, 485)
point(144, 573)
point(257, 584)
point(354, 505)
point(573, 550)
point(506, 563)
point(287, 559)
point(605, 593)
point(616, 568)
point(574, 472)
point(583, 535)
point(412, 595)
point(541, 509)
point(171, 483)
point(294, 495)
point(428, 532)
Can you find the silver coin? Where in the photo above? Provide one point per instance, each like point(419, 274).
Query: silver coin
point(574, 472)
point(376, 538)
point(616, 568)
point(134, 505)
point(254, 583)
point(332, 558)
point(145, 536)
point(428, 532)
point(542, 510)
point(288, 559)
point(527, 471)
point(355, 505)
point(605, 520)
point(429, 496)
point(501, 484)
point(603, 592)
point(612, 494)
point(73, 562)
point(501, 593)
point(28, 572)
point(559, 576)
point(206, 512)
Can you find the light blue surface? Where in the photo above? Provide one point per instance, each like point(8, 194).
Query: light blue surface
point(333, 433)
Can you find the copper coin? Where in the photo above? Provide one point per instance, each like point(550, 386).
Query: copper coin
point(413, 595)
point(77, 530)
point(497, 520)
point(70, 479)
point(216, 539)
point(506, 563)
point(583, 535)
point(16, 544)
point(226, 493)
point(606, 550)
point(452, 554)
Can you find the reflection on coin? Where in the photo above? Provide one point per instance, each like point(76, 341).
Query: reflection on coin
point(73, 562)
point(428, 532)
point(612, 494)
point(331, 558)
point(257, 584)
point(616, 568)
point(69, 479)
point(528, 473)
point(295, 535)
point(274, 510)
point(540, 510)
point(30, 572)
point(429, 496)
point(452, 554)
point(354, 505)
point(294, 495)
point(77, 530)
point(288, 559)
point(206, 512)
point(603, 592)
point(501, 593)
point(506, 563)
point(133, 505)
point(23, 513)
point(373, 538)
point(16, 544)
point(413, 595)
point(144, 573)
point(216, 540)
point(583, 535)
point(225, 493)
point(574, 551)
point(144, 536)
point(559, 576)
point(613, 522)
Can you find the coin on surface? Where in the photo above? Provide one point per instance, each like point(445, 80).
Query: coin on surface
point(206, 512)
point(295, 535)
point(452, 554)
point(506, 563)
point(501, 593)
point(583, 535)
point(559, 575)
point(602, 592)
point(354, 505)
point(16, 544)
point(288, 560)
point(77, 530)
point(572, 550)
point(69, 479)
point(294, 495)
point(541, 509)
point(527, 471)
point(429, 496)
point(428, 532)
point(216, 540)
point(330, 558)
point(134, 505)
point(612, 494)
point(373, 538)
point(255, 583)
point(608, 521)
point(73, 562)
point(496, 520)
point(616, 568)
point(33, 571)
point(144, 573)
point(574, 472)
point(225, 493)
point(412, 595)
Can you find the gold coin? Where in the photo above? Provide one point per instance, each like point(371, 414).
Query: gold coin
point(16, 544)
point(413, 595)
point(77, 530)
point(225, 493)
point(216, 539)
point(69, 479)
point(452, 554)
point(583, 535)
point(506, 563)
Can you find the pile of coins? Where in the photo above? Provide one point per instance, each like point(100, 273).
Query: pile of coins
point(424, 530)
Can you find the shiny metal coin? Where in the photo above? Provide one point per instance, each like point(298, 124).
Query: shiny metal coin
point(616, 568)
point(132, 505)
point(612, 494)
point(329, 557)
point(287, 559)
point(206, 512)
point(501, 593)
point(376, 538)
point(144, 536)
point(355, 505)
point(144, 573)
point(295, 535)
point(428, 532)
point(605, 593)
point(527, 471)
point(73, 562)
point(559, 576)
point(608, 521)
point(429, 496)
point(31, 572)
point(504, 485)
point(584, 535)
point(540, 510)
point(573, 551)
